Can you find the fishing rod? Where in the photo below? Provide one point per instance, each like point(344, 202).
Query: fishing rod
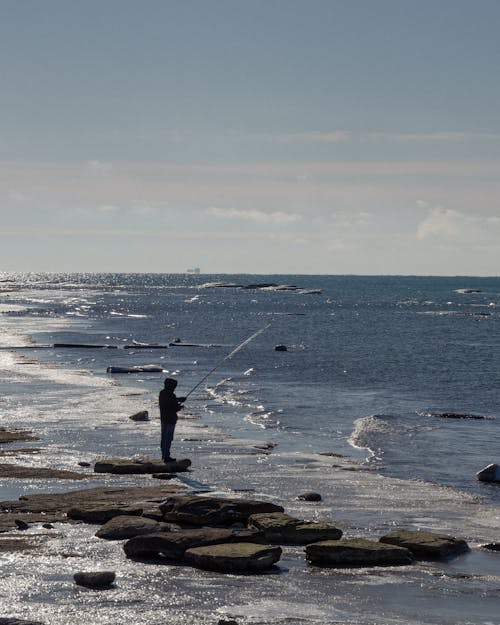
point(229, 356)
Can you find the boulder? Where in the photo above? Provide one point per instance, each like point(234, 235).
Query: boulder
point(280, 348)
point(310, 497)
point(279, 527)
point(126, 467)
point(492, 546)
point(121, 527)
point(234, 558)
point(101, 512)
point(426, 544)
point(210, 510)
point(356, 552)
point(490, 473)
point(97, 579)
point(172, 545)
point(143, 415)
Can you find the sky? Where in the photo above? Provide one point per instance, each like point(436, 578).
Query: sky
point(250, 136)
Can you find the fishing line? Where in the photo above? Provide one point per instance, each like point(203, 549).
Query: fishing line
point(229, 356)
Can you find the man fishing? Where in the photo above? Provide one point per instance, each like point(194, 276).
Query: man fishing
point(170, 405)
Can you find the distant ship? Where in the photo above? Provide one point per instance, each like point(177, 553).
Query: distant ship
point(194, 270)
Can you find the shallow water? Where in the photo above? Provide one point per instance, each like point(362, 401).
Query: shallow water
point(363, 367)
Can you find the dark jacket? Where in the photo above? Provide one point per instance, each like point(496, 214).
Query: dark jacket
point(170, 405)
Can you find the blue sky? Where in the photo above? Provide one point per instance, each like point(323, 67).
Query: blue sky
point(286, 136)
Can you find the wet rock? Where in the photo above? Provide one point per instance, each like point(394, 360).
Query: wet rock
point(100, 512)
point(136, 369)
point(455, 415)
point(310, 497)
point(143, 415)
point(122, 527)
point(10, 436)
point(280, 348)
point(223, 621)
point(426, 544)
point(195, 510)
point(490, 473)
point(83, 346)
point(21, 525)
point(356, 552)
point(47, 526)
point(234, 558)
point(85, 464)
point(172, 545)
point(96, 579)
point(164, 476)
point(17, 621)
point(52, 507)
point(124, 467)
point(279, 527)
point(19, 472)
point(492, 546)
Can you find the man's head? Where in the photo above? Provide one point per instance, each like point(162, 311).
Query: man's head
point(170, 384)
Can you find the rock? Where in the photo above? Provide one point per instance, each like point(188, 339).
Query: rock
point(123, 466)
point(172, 545)
point(98, 579)
point(280, 348)
point(136, 369)
point(356, 552)
point(47, 526)
point(491, 473)
point(164, 476)
point(16, 621)
point(234, 558)
point(223, 621)
point(83, 346)
point(310, 497)
point(279, 527)
point(140, 416)
point(101, 512)
point(122, 527)
point(19, 472)
point(21, 525)
point(84, 464)
point(426, 544)
point(196, 510)
point(7, 436)
point(492, 546)
point(455, 415)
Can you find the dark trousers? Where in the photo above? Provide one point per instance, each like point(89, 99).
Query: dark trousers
point(167, 436)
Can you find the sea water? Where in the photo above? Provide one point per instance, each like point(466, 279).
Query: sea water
point(352, 409)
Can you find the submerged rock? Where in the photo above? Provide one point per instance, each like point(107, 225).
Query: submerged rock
point(172, 545)
point(279, 527)
point(426, 544)
point(195, 510)
point(97, 579)
point(490, 473)
point(234, 558)
point(356, 552)
point(122, 526)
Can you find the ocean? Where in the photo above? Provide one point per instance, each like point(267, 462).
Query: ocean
point(383, 399)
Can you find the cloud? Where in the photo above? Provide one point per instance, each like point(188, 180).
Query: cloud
point(449, 224)
point(278, 217)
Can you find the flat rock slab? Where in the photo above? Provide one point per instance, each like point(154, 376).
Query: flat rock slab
point(123, 527)
point(279, 527)
point(196, 510)
point(426, 544)
point(126, 467)
point(356, 552)
point(101, 512)
point(52, 507)
point(172, 545)
point(20, 472)
point(10, 436)
point(234, 558)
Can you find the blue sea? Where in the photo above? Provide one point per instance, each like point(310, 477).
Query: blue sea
point(384, 399)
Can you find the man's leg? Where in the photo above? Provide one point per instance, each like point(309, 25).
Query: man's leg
point(167, 436)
